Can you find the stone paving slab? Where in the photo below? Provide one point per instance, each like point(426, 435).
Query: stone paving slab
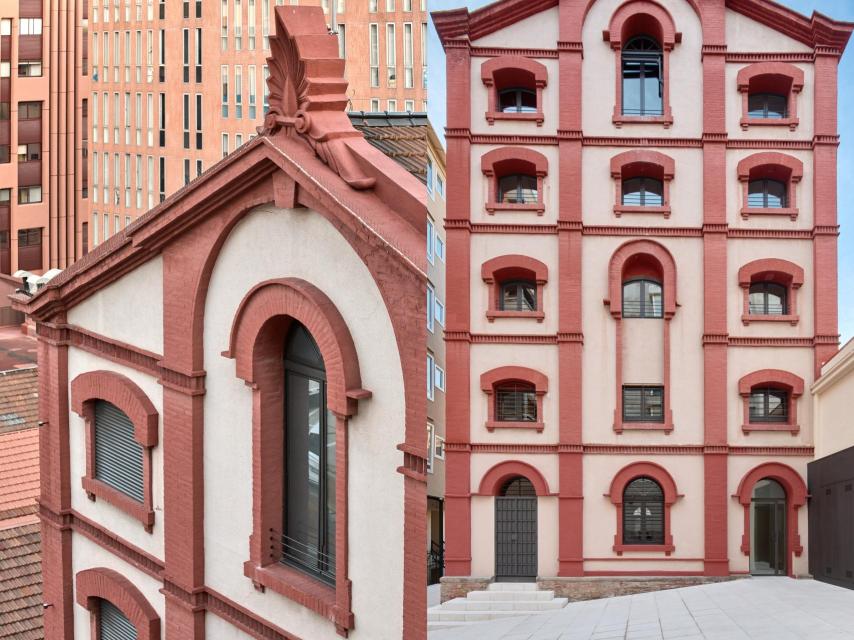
point(752, 609)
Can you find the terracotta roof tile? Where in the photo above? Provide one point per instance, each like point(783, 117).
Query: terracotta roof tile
point(19, 399)
point(19, 475)
point(21, 583)
point(400, 136)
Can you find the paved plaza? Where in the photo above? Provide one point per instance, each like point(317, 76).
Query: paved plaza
point(749, 609)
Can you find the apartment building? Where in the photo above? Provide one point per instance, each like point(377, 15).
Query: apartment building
point(40, 149)
point(236, 451)
point(642, 234)
point(177, 86)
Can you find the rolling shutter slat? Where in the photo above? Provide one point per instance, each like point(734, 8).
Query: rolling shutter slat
point(114, 624)
point(118, 457)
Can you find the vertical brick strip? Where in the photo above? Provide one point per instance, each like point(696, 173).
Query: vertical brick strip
point(457, 352)
point(714, 288)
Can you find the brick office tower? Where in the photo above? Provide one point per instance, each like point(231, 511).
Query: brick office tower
point(232, 391)
point(42, 142)
point(176, 86)
point(641, 284)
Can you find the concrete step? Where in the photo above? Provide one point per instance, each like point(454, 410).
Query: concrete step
point(542, 604)
point(512, 586)
point(510, 596)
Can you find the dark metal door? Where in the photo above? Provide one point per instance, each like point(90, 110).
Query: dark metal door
point(831, 516)
point(768, 547)
point(515, 538)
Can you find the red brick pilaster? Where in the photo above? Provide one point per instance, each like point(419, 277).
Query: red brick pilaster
point(825, 205)
point(457, 350)
point(715, 285)
point(570, 338)
point(55, 495)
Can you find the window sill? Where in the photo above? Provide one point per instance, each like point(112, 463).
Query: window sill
point(299, 587)
point(792, 212)
point(620, 120)
point(492, 425)
point(538, 117)
point(492, 207)
point(492, 315)
point(619, 210)
point(666, 427)
point(667, 549)
point(748, 318)
point(778, 427)
point(792, 123)
point(95, 489)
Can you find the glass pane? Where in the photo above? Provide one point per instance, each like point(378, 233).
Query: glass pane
point(653, 193)
point(777, 409)
point(776, 305)
point(632, 196)
point(631, 87)
point(302, 471)
point(528, 101)
point(652, 99)
point(510, 297)
point(329, 492)
point(508, 189)
point(507, 100)
point(757, 406)
point(777, 106)
point(516, 405)
point(652, 404)
point(528, 189)
point(768, 488)
point(776, 194)
point(756, 105)
point(756, 194)
point(757, 301)
point(632, 299)
point(632, 403)
point(653, 301)
point(529, 297)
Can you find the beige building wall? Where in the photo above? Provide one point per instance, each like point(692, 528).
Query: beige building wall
point(831, 397)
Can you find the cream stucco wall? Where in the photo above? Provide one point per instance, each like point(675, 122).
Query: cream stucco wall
point(536, 32)
point(599, 190)
point(598, 81)
point(120, 523)
point(130, 310)
point(831, 396)
point(86, 554)
point(745, 34)
point(301, 243)
point(686, 329)
point(643, 351)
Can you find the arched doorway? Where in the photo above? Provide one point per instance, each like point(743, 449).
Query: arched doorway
point(516, 531)
point(768, 529)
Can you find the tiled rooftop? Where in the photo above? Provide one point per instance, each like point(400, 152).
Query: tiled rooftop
point(19, 399)
point(21, 583)
point(19, 477)
point(17, 350)
point(400, 136)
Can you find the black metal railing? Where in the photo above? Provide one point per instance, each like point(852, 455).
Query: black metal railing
point(435, 562)
point(642, 309)
point(762, 309)
point(645, 199)
point(306, 557)
point(515, 196)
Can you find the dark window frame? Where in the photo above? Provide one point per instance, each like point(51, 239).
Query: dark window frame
point(519, 187)
point(515, 400)
point(644, 403)
point(520, 107)
point(644, 183)
point(765, 204)
point(768, 288)
point(645, 309)
point(520, 286)
point(646, 495)
point(764, 395)
point(763, 113)
point(646, 59)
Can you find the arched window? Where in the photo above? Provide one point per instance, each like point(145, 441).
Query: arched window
point(643, 192)
point(767, 106)
point(517, 100)
point(518, 295)
point(308, 539)
point(767, 194)
point(118, 457)
point(642, 298)
point(515, 401)
point(768, 299)
point(643, 89)
point(643, 512)
point(517, 188)
point(769, 405)
point(518, 487)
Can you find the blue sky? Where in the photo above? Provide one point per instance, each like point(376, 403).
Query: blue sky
point(837, 9)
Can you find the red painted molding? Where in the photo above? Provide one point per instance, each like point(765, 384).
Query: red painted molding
point(648, 250)
point(497, 476)
point(615, 493)
point(124, 394)
point(783, 272)
point(773, 165)
point(93, 585)
point(778, 379)
point(771, 77)
point(507, 160)
point(259, 329)
point(796, 497)
point(510, 71)
point(497, 271)
point(790, 166)
point(636, 163)
point(491, 379)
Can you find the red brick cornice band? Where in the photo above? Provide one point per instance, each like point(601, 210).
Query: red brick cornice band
point(93, 585)
point(124, 394)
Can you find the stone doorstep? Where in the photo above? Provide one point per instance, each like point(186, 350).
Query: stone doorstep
point(498, 601)
point(519, 604)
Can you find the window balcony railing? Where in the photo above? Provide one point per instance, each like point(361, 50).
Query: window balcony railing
point(307, 557)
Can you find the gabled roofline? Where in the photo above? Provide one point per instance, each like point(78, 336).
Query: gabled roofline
point(817, 30)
